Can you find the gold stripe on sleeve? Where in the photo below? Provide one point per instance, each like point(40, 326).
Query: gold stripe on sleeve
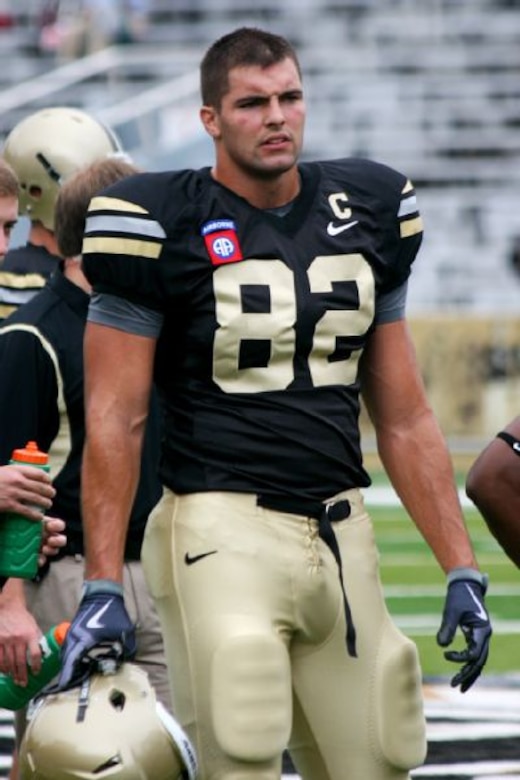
point(410, 227)
point(106, 245)
point(104, 203)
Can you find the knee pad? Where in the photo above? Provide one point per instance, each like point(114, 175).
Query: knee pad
point(251, 700)
point(398, 705)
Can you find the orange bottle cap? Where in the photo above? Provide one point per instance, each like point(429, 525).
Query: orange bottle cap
point(60, 632)
point(30, 454)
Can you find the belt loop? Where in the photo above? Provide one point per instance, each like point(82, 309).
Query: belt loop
point(326, 532)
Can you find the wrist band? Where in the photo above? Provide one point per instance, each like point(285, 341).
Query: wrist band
point(91, 587)
point(466, 573)
point(513, 443)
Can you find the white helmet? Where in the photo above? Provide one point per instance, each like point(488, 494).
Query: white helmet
point(111, 727)
point(46, 148)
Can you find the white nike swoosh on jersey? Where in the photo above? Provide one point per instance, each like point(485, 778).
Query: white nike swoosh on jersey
point(334, 230)
point(93, 622)
point(481, 612)
point(516, 446)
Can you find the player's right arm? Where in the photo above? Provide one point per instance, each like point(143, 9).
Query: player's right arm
point(492, 484)
point(118, 381)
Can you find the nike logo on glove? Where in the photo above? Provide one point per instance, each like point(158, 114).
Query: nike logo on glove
point(334, 230)
point(480, 611)
point(189, 559)
point(93, 622)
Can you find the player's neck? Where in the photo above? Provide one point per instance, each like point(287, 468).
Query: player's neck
point(262, 193)
point(41, 236)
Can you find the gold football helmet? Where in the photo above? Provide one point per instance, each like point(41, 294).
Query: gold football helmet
point(46, 148)
point(110, 727)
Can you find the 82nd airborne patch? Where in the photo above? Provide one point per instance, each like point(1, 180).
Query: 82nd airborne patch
point(221, 241)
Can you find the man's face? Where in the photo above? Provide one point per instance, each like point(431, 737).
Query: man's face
point(8, 218)
point(259, 126)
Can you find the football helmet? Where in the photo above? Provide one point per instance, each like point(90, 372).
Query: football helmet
point(111, 727)
point(46, 148)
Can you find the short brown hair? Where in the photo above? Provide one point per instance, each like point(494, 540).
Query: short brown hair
point(9, 186)
point(74, 198)
point(245, 46)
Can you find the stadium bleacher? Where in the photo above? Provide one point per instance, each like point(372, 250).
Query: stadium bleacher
point(431, 88)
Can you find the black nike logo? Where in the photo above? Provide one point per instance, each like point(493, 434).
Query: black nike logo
point(189, 559)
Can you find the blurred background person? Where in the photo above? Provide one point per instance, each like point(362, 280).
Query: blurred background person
point(44, 149)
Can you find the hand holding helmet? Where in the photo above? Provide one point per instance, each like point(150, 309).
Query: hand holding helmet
point(111, 727)
point(101, 626)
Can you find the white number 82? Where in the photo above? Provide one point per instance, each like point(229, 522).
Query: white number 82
point(278, 325)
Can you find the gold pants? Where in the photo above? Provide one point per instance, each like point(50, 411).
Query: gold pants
point(254, 628)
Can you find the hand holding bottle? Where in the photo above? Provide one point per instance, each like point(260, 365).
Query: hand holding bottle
point(20, 537)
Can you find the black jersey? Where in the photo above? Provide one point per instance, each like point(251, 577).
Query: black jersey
point(41, 399)
point(23, 273)
point(265, 316)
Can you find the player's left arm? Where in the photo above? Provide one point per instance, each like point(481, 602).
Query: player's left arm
point(415, 455)
point(492, 484)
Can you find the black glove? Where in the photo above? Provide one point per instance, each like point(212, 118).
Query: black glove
point(101, 629)
point(464, 607)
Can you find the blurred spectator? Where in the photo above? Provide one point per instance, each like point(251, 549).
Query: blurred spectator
point(7, 19)
point(82, 27)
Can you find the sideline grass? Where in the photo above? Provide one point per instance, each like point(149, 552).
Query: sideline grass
point(415, 589)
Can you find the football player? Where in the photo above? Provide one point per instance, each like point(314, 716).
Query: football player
point(492, 485)
point(24, 489)
point(265, 296)
point(42, 164)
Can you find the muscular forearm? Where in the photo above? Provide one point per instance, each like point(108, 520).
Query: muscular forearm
point(109, 480)
point(418, 463)
point(118, 370)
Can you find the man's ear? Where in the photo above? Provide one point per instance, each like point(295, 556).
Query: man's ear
point(209, 119)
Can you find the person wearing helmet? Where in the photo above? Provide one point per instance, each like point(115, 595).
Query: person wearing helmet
point(24, 489)
point(111, 727)
point(44, 149)
point(41, 397)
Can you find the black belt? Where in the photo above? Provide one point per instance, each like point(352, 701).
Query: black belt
point(325, 514)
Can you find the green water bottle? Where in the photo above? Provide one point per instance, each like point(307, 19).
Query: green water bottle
point(21, 538)
point(13, 696)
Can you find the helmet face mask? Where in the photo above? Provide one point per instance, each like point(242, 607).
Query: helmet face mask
point(111, 727)
point(48, 147)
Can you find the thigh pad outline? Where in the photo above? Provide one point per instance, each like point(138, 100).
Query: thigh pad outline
point(251, 697)
point(398, 703)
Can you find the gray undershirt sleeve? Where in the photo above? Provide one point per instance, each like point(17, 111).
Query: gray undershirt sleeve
point(391, 306)
point(115, 312)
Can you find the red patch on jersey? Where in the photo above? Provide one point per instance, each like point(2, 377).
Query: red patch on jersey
point(222, 242)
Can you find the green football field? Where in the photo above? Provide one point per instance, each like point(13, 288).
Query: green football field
point(415, 588)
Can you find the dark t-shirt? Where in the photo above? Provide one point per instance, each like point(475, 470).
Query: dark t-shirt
point(41, 399)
